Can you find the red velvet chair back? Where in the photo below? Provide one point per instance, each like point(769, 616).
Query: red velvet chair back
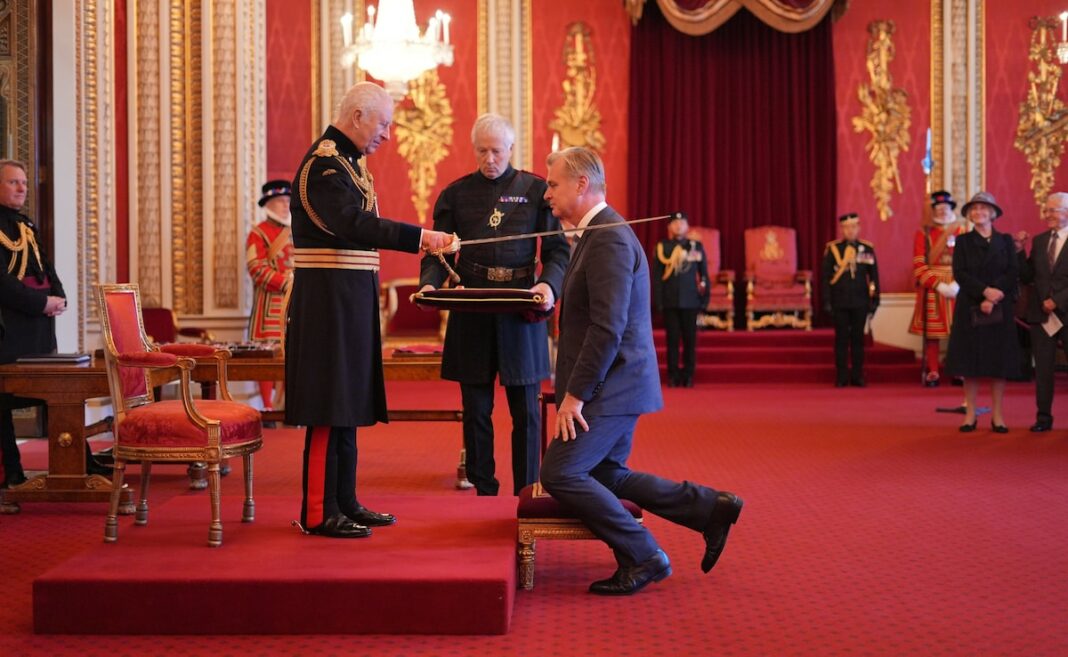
point(771, 254)
point(160, 324)
point(120, 321)
point(710, 242)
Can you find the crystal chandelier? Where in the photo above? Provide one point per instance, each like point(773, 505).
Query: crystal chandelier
point(391, 49)
point(1062, 47)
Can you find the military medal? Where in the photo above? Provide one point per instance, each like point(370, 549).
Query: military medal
point(495, 218)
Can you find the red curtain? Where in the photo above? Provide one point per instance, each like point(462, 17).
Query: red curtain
point(737, 129)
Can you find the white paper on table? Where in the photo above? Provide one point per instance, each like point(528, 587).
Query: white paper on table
point(1052, 324)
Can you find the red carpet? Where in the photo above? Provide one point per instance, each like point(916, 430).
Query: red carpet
point(871, 527)
point(442, 569)
point(785, 356)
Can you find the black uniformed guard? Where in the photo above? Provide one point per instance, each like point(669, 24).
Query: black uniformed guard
point(850, 294)
point(680, 290)
point(495, 201)
point(334, 380)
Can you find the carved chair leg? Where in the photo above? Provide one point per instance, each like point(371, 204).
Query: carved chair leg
point(249, 512)
point(730, 321)
point(142, 505)
point(526, 564)
point(215, 532)
point(111, 524)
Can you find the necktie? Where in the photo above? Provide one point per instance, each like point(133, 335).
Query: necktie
point(1052, 252)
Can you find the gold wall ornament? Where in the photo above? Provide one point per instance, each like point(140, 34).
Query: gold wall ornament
point(578, 122)
point(1043, 125)
point(634, 10)
point(424, 131)
point(885, 115)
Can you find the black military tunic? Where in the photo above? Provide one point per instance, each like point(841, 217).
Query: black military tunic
point(333, 341)
point(479, 345)
point(850, 282)
point(23, 297)
point(680, 290)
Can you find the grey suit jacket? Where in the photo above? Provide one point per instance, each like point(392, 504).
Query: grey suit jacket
point(606, 356)
point(1049, 284)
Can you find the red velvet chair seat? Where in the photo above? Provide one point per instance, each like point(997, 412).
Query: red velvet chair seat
point(531, 507)
point(164, 423)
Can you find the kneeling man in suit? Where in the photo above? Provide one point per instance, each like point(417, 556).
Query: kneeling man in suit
point(606, 376)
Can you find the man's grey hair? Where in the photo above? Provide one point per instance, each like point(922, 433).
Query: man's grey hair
point(493, 124)
point(1060, 197)
point(580, 161)
point(363, 96)
point(12, 163)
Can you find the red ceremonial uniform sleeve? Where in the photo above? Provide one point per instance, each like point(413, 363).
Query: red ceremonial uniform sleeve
point(920, 271)
point(259, 266)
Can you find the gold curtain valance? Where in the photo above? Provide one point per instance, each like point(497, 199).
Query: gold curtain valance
point(696, 18)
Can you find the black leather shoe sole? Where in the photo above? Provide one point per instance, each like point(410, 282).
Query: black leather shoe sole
point(339, 526)
point(375, 520)
point(728, 508)
point(999, 428)
point(967, 428)
point(609, 587)
point(1039, 427)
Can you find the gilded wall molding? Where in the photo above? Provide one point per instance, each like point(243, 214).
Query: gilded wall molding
point(578, 121)
point(885, 115)
point(1043, 123)
point(146, 156)
point(505, 69)
point(224, 82)
point(937, 95)
point(424, 132)
point(18, 53)
point(330, 79)
point(963, 46)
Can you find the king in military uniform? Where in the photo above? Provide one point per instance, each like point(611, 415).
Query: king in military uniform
point(334, 380)
point(680, 290)
point(497, 201)
point(269, 256)
point(850, 294)
point(936, 291)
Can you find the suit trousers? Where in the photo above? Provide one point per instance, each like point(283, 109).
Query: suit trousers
point(849, 342)
point(1044, 350)
point(589, 475)
point(525, 410)
point(681, 323)
point(329, 480)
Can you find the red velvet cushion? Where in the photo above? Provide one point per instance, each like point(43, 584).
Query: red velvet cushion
point(165, 424)
point(547, 507)
point(147, 359)
point(189, 349)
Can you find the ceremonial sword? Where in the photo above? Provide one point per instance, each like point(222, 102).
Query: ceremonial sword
point(457, 242)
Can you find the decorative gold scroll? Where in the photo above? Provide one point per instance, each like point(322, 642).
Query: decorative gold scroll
point(1043, 124)
point(634, 10)
point(424, 131)
point(578, 122)
point(885, 115)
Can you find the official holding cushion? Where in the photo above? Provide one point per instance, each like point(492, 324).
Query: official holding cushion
point(496, 201)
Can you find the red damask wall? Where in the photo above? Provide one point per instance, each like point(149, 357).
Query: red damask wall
point(910, 70)
point(289, 105)
point(610, 34)
point(1008, 175)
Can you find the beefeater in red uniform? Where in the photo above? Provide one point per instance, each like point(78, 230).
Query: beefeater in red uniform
point(334, 380)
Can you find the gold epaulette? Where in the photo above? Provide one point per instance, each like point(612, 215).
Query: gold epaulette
point(326, 148)
point(828, 245)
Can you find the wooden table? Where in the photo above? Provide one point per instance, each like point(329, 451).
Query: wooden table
point(65, 388)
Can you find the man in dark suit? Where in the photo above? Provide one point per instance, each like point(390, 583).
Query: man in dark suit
point(334, 380)
point(497, 201)
point(1047, 309)
point(606, 376)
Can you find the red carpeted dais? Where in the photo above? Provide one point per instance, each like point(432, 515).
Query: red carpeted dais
point(444, 568)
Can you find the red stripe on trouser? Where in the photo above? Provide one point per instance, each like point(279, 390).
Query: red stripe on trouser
point(931, 353)
point(315, 469)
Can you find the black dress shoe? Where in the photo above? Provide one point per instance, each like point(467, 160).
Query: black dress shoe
point(858, 383)
point(968, 428)
point(840, 384)
point(12, 479)
point(628, 580)
point(339, 526)
point(998, 428)
point(368, 518)
point(724, 514)
point(94, 467)
point(1040, 426)
point(687, 382)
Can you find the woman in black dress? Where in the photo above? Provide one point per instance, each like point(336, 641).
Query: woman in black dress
point(983, 342)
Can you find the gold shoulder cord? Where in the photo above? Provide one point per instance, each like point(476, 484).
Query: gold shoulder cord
point(365, 183)
point(21, 247)
point(672, 263)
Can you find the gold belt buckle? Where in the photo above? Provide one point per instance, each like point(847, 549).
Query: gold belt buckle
point(499, 274)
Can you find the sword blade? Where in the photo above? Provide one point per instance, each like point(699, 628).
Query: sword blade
point(562, 231)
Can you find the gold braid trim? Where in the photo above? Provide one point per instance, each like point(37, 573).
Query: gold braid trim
point(21, 247)
point(365, 183)
point(846, 262)
point(676, 262)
